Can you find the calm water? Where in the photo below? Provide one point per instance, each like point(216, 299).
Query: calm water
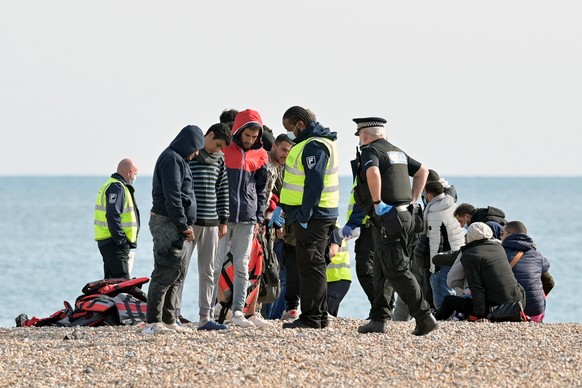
point(47, 252)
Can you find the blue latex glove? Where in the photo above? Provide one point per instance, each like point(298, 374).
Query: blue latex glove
point(347, 231)
point(303, 225)
point(277, 218)
point(382, 208)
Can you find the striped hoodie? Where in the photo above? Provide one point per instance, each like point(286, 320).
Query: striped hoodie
point(210, 184)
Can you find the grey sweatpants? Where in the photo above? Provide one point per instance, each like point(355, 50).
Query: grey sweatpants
point(171, 257)
point(206, 240)
point(238, 241)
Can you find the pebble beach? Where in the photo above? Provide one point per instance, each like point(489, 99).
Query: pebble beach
point(456, 354)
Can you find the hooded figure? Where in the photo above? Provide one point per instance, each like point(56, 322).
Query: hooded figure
point(246, 166)
point(173, 213)
point(172, 193)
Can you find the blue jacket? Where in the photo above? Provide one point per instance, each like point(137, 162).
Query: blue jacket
point(528, 270)
point(313, 177)
point(172, 193)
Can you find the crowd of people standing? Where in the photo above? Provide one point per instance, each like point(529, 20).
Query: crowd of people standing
point(418, 254)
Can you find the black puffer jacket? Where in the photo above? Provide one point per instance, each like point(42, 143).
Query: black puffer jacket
point(489, 276)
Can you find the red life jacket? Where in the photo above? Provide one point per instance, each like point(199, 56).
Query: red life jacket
point(113, 287)
point(104, 302)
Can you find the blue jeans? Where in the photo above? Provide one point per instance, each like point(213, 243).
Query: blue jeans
point(438, 283)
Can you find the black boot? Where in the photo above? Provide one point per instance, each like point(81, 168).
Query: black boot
point(373, 327)
point(425, 325)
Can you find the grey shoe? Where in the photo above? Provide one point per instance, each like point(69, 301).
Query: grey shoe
point(157, 328)
point(373, 327)
point(425, 325)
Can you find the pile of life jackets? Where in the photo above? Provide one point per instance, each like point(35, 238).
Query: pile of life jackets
point(107, 302)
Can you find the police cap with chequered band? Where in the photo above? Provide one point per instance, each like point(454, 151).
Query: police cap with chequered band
point(365, 122)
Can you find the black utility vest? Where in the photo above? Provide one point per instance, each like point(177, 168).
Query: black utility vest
point(396, 189)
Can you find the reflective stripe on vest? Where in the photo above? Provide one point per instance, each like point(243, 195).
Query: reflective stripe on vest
point(294, 178)
point(351, 204)
point(128, 216)
point(339, 268)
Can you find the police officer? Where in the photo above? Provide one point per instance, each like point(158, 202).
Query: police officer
point(310, 198)
point(364, 246)
point(384, 192)
point(117, 220)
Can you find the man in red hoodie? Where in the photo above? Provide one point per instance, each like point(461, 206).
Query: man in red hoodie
point(246, 166)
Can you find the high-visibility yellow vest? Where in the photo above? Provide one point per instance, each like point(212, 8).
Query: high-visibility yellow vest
point(339, 268)
point(128, 216)
point(351, 204)
point(294, 178)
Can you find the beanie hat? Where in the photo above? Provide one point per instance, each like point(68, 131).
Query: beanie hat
point(478, 231)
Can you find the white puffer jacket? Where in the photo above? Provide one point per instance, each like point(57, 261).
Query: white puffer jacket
point(439, 212)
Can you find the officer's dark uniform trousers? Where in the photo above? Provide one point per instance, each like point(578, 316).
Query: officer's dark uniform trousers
point(310, 245)
point(391, 268)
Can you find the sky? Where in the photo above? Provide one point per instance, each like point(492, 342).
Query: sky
point(469, 88)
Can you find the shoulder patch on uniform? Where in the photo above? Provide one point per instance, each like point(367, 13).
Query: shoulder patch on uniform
point(397, 157)
point(310, 162)
point(112, 197)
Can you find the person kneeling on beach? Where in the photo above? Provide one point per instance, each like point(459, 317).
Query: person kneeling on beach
point(489, 275)
point(530, 267)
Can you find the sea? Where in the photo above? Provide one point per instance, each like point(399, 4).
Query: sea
point(47, 251)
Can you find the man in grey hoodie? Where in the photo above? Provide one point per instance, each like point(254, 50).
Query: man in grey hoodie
point(172, 216)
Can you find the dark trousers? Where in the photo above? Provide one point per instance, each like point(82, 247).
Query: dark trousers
point(310, 245)
point(292, 277)
point(391, 268)
point(171, 256)
point(115, 260)
point(452, 303)
point(364, 250)
point(336, 291)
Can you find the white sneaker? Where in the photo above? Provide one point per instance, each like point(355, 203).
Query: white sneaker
point(179, 328)
point(157, 328)
point(216, 312)
point(258, 320)
point(238, 319)
point(290, 316)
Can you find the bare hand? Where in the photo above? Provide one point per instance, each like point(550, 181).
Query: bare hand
point(222, 230)
point(189, 234)
point(333, 249)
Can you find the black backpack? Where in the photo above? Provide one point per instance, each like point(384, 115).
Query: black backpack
point(270, 283)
